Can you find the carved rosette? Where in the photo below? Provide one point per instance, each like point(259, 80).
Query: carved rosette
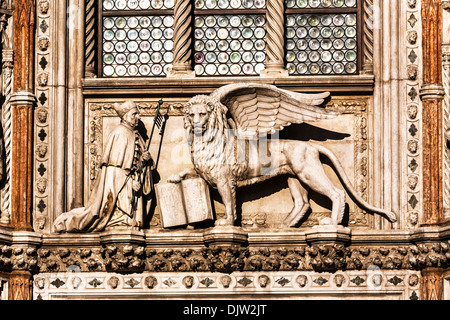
point(413, 114)
point(182, 38)
point(44, 88)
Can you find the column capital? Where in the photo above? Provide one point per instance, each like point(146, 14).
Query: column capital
point(432, 91)
point(23, 98)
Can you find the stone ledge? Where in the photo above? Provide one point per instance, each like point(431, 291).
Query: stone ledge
point(161, 238)
point(204, 85)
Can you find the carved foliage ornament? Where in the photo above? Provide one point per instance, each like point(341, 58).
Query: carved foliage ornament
point(132, 258)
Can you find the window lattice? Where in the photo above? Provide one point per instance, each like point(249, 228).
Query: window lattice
point(136, 45)
point(229, 44)
point(321, 44)
point(321, 37)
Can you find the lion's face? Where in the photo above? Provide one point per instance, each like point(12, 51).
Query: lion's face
point(198, 117)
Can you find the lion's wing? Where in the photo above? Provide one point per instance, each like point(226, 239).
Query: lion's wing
point(264, 109)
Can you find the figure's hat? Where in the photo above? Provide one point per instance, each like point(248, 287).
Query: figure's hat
point(124, 108)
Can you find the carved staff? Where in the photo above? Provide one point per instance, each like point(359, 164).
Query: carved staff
point(157, 121)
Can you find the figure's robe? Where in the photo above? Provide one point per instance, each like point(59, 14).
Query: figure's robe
point(112, 198)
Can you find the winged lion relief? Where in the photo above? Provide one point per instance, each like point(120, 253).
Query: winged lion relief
point(231, 137)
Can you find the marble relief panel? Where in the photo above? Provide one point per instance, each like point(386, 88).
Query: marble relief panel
point(264, 205)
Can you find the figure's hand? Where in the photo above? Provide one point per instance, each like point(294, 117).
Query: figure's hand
point(136, 186)
point(175, 178)
point(146, 156)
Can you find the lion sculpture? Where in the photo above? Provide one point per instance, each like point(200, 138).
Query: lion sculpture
point(225, 132)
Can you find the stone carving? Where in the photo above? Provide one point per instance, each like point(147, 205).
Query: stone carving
point(113, 282)
point(43, 43)
point(225, 281)
point(150, 282)
point(412, 36)
point(42, 115)
point(412, 71)
point(263, 281)
point(183, 203)
point(188, 281)
point(218, 147)
point(124, 158)
point(318, 258)
point(42, 79)
point(302, 280)
point(43, 6)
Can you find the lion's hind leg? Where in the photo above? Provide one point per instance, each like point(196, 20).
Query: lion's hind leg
point(301, 204)
point(313, 175)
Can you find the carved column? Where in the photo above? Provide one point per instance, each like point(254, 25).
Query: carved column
point(182, 39)
point(431, 286)
point(432, 93)
point(20, 285)
point(368, 37)
point(275, 39)
point(7, 78)
point(446, 106)
point(22, 102)
point(90, 38)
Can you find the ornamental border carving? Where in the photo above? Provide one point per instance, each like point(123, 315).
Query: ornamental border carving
point(413, 114)
point(404, 285)
point(42, 132)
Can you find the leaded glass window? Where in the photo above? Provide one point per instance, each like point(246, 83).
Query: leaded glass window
point(322, 37)
point(137, 37)
point(229, 37)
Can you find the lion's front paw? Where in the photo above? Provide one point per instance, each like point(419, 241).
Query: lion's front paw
point(175, 178)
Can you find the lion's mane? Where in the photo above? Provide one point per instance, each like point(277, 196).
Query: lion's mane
point(211, 150)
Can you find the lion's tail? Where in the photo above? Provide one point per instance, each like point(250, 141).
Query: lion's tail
point(391, 216)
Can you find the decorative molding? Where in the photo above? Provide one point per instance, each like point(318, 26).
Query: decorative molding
point(413, 116)
point(129, 258)
point(356, 284)
point(42, 134)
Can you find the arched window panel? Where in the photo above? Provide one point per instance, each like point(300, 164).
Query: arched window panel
point(322, 37)
point(137, 38)
point(229, 37)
